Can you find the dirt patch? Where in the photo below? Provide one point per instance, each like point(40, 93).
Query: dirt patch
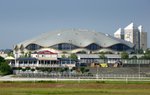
point(74, 85)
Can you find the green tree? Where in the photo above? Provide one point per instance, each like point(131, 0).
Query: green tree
point(10, 54)
point(5, 68)
point(28, 68)
point(29, 54)
point(84, 70)
point(82, 52)
point(124, 55)
point(66, 69)
point(2, 59)
point(140, 51)
point(25, 55)
point(73, 56)
point(102, 56)
point(134, 57)
point(23, 69)
point(63, 56)
point(146, 55)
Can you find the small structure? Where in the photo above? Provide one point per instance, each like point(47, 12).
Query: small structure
point(67, 62)
point(117, 64)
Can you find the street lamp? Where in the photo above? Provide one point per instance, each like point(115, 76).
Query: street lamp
point(139, 69)
point(70, 41)
point(97, 71)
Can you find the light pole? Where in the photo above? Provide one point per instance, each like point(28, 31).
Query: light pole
point(79, 64)
point(97, 71)
point(16, 56)
point(70, 41)
point(139, 69)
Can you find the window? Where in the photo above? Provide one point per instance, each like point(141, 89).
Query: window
point(34, 62)
point(25, 62)
point(93, 47)
point(119, 47)
point(30, 62)
point(64, 46)
point(33, 47)
point(20, 62)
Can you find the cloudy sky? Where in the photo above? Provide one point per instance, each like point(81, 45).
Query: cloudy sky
point(23, 19)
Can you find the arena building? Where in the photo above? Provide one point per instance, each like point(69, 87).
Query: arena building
point(74, 41)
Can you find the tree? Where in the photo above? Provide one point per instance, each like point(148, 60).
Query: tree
point(102, 56)
point(5, 68)
point(146, 55)
point(82, 52)
point(83, 70)
point(2, 59)
point(73, 56)
point(23, 69)
point(32, 70)
point(63, 56)
point(66, 69)
point(25, 55)
point(29, 54)
point(140, 51)
point(124, 55)
point(134, 57)
point(10, 54)
point(28, 68)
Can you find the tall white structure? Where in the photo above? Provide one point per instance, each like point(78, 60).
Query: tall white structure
point(133, 34)
point(143, 38)
point(119, 34)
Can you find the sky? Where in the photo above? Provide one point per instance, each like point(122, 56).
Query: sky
point(24, 19)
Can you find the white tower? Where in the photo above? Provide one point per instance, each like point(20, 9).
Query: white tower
point(131, 34)
point(119, 34)
point(143, 38)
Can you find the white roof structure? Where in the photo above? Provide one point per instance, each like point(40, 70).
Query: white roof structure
point(119, 31)
point(80, 38)
point(130, 26)
point(140, 28)
point(9, 58)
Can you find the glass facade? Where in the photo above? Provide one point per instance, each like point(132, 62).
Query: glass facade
point(119, 47)
point(68, 46)
point(64, 46)
point(93, 47)
point(33, 47)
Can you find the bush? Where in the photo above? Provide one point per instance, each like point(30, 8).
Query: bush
point(124, 55)
point(5, 68)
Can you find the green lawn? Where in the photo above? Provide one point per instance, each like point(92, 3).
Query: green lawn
point(91, 88)
point(72, 91)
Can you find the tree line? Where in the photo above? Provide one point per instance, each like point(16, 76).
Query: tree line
point(5, 69)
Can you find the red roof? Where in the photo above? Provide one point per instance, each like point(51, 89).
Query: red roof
point(46, 52)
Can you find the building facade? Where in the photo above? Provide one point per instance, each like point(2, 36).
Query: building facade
point(73, 41)
point(143, 38)
point(119, 34)
point(133, 34)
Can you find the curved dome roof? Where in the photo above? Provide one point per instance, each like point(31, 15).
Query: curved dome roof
point(78, 37)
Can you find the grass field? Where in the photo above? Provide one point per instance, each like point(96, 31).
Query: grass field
point(74, 88)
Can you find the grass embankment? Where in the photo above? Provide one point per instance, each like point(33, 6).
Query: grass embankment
point(74, 88)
